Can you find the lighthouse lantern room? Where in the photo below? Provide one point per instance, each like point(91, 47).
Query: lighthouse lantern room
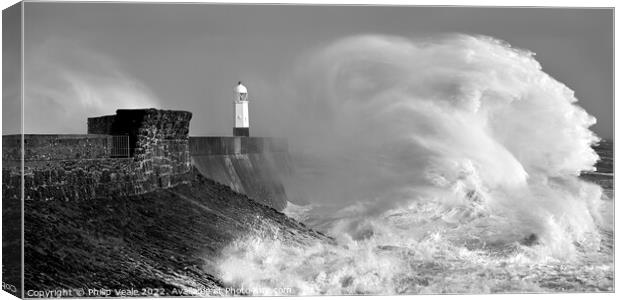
point(240, 102)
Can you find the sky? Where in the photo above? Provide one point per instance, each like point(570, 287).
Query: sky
point(88, 59)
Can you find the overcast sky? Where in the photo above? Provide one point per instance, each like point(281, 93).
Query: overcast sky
point(84, 59)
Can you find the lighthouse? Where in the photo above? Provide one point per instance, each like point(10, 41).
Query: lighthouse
point(240, 102)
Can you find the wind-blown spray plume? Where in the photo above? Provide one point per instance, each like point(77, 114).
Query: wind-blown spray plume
point(66, 82)
point(439, 146)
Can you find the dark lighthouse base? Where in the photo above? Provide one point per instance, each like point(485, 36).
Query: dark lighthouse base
point(241, 131)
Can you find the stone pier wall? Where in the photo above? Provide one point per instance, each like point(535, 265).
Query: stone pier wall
point(254, 166)
point(161, 155)
point(79, 167)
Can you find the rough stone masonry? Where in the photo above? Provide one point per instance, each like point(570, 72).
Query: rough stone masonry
point(79, 167)
point(159, 155)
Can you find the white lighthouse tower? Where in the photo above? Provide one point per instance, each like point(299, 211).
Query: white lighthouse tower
point(242, 120)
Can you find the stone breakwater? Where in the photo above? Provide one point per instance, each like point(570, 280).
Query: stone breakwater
point(253, 166)
point(72, 167)
point(159, 242)
point(158, 153)
point(151, 211)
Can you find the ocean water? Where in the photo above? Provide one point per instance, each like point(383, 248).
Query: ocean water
point(426, 248)
point(443, 165)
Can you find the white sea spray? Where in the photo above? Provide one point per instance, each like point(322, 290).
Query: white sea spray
point(446, 165)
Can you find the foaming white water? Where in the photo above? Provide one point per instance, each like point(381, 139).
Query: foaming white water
point(442, 162)
point(423, 249)
point(298, 212)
